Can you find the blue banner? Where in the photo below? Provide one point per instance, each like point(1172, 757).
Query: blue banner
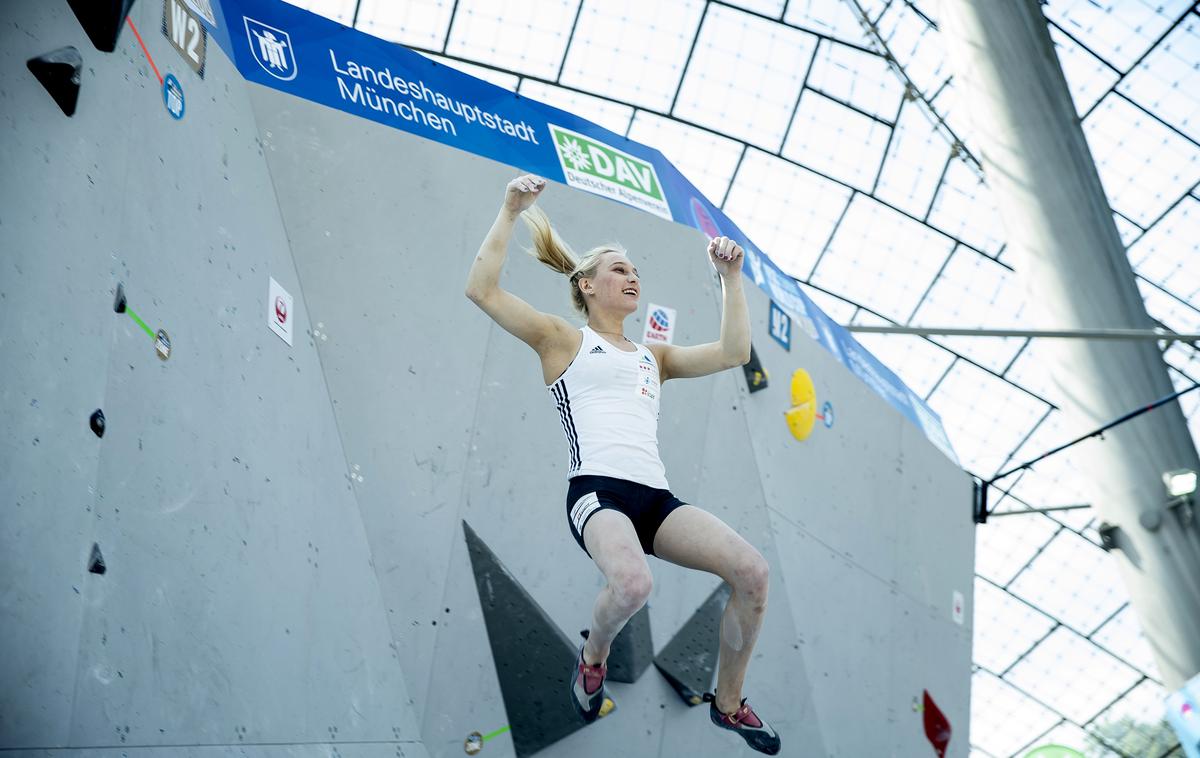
point(306, 55)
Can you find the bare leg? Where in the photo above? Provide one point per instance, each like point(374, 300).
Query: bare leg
point(697, 539)
point(613, 543)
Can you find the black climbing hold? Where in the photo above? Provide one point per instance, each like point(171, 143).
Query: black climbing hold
point(119, 303)
point(98, 422)
point(632, 651)
point(690, 658)
point(533, 657)
point(96, 563)
point(59, 71)
point(756, 375)
point(102, 20)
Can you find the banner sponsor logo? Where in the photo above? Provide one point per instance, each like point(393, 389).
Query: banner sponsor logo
point(660, 324)
point(604, 170)
point(704, 220)
point(272, 48)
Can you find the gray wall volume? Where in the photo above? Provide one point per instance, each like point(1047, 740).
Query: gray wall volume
point(282, 526)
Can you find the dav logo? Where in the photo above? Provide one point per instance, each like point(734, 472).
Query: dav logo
point(602, 169)
point(272, 48)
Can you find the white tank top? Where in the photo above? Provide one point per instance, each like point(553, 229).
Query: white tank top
point(607, 400)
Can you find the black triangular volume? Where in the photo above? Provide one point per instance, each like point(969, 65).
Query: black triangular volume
point(96, 562)
point(632, 651)
point(59, 72)
point(534, 659)
point(690, 658)
point(102, 20)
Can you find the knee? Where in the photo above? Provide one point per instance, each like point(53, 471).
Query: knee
point(751, 577)
point(632, 587)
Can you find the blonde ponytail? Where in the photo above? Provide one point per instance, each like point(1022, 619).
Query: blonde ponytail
point(553, 251)
point(548, 247)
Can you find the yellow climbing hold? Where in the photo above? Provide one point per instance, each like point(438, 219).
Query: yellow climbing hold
point(606, 707)
point(803, 413)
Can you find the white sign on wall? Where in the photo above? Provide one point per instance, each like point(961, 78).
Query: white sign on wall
point(660, 324)
point(279, 311)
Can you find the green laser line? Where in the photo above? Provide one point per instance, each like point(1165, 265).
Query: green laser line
point(140, 322)
point(496, 733)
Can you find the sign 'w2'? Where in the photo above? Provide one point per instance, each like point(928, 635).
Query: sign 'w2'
point(187, 34)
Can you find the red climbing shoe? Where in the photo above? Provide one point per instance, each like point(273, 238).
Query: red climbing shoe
point(587, 686)
point(746, 723)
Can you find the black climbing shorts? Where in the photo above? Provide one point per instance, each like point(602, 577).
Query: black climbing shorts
point(645, 506)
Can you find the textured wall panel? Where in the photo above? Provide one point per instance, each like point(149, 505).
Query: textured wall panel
point(281, 525)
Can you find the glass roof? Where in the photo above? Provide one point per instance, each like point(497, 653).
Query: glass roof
point(856, 173)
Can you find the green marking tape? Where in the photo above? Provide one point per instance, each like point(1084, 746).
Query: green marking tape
point(140, 322)
point(496, 733)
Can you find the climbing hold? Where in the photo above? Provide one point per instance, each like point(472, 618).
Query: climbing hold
point(59, 71)
point(162, 344)
point(102, 20)
point(937, 727)
point(756, 375)
point(473, 743)
point(1054, 751)
point(96, 563)
point(803, 413)
point(97, 422)
point(120, 302)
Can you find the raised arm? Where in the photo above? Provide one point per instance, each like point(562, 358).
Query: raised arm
point(733, 347)
point(518, 317)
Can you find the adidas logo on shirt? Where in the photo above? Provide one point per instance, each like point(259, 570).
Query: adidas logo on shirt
point(597, 349)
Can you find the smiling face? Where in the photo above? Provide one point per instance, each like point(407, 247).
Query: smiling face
point(615, 285)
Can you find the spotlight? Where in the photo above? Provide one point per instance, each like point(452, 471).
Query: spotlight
point(1180, 483)
point(1108, 536)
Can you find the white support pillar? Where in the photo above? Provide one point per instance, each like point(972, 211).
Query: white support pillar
point(1068, 252)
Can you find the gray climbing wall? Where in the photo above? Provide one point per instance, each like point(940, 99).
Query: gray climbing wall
point(239, 604)
point(282, 526)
